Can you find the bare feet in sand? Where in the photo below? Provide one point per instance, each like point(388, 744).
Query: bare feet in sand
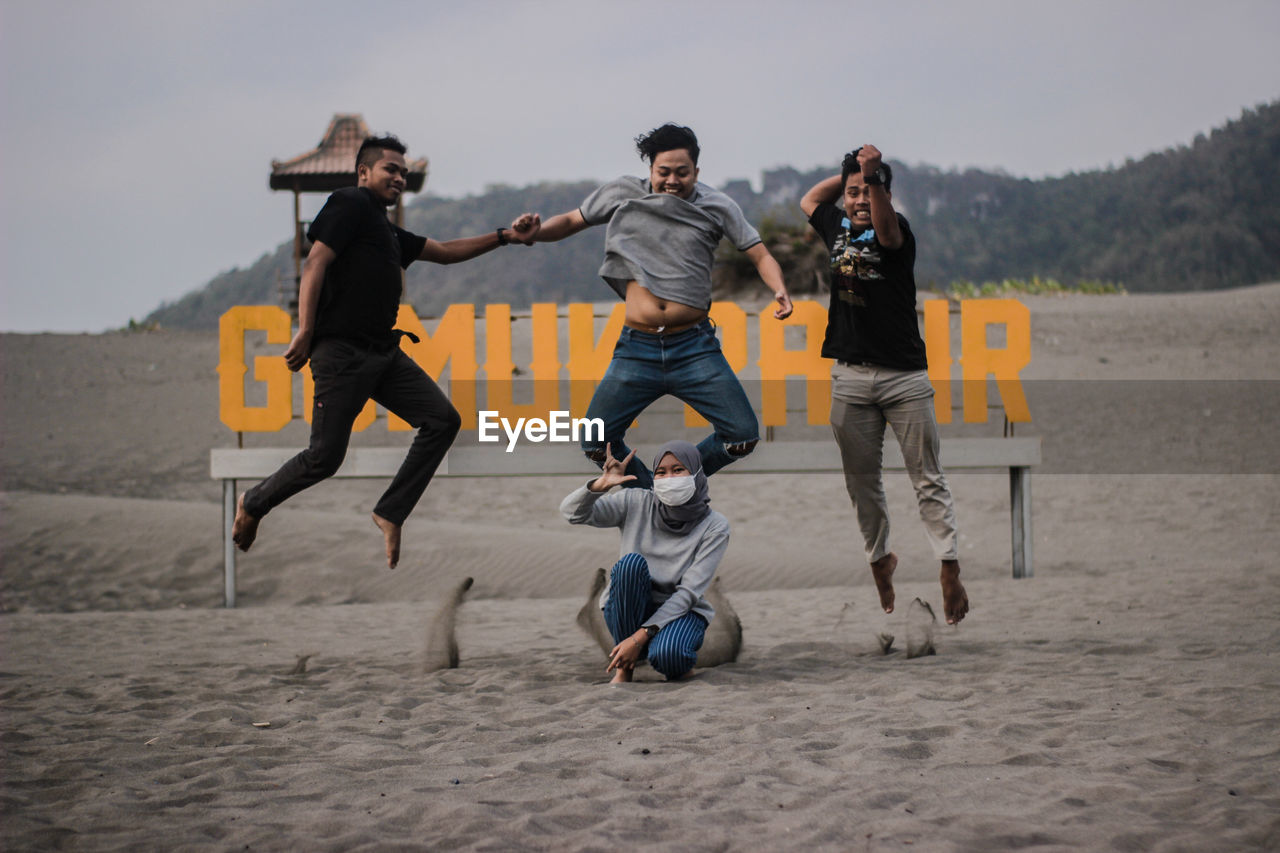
point(390, 532)
point(882, 571)
point(955, 601)
point(245, 528)
point(621, 676)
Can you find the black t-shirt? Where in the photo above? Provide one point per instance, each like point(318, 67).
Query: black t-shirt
point(360, 296)
point(872, 317)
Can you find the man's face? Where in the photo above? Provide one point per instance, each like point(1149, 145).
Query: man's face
point(673, 172)
point(857, 204)
point(385, 178)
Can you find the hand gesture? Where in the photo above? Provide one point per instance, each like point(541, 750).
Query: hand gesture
point(869, 159)
point(299, 351)
point(614, 472)
point(525, 226)
point(783, 311)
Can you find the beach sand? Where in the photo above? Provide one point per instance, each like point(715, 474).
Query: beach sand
point(1125, 698)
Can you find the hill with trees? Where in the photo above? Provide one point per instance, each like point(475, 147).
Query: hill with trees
point(1195, 217)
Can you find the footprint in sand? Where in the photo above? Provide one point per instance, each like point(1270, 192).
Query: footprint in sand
point(442, 640)
point(722, 643)
point(920, 625)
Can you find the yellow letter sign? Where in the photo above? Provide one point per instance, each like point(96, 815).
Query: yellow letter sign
point(271, 369)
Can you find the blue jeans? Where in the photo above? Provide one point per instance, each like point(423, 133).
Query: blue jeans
point(689, 366)
point(674, 650)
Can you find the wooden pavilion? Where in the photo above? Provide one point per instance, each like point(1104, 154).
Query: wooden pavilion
point(329, 166)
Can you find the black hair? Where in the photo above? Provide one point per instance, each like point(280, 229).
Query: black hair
point(371, 149)
point(851, 165)
point(669, 137)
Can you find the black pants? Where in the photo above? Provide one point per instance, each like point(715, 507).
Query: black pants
point(346, 376)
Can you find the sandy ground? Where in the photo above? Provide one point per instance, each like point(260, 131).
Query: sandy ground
point(1124, 698)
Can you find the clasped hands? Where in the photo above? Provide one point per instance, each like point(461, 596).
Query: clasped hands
point(524, 227)
point(869, 159)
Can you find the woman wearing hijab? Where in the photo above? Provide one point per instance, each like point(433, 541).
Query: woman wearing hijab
point(672, 544)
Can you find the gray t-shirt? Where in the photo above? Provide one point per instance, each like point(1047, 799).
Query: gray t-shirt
point(681, 565)
point(664, 242)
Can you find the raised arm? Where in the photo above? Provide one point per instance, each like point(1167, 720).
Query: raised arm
point(522, 230)
point(589, 504)
point(771, 274)
point(559, 227)
point(826, 191)
point(883, 217)
point(318, 260)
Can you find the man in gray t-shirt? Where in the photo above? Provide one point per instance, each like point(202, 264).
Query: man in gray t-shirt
point(660, 242)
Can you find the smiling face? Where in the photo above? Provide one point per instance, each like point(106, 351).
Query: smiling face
point(670, 466)
point(386, 178)
point(673, 172)
point(857, 202)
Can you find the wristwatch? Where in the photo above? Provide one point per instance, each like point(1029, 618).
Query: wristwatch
point(502, 237)
point(876, 178)
point(651, 630)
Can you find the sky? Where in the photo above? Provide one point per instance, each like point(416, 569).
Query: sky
point(137, 135)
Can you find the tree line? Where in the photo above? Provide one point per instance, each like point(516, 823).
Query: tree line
point(1195, 217)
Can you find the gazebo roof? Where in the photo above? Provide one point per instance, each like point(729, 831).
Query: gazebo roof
point(331, 165)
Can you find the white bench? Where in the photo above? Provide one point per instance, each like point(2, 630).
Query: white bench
point(1018, 455)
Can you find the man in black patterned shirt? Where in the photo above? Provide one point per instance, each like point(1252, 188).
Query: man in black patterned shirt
point(880, 374)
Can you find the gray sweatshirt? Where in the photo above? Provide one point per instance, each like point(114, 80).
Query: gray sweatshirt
point(665, 243)
point(680, 565)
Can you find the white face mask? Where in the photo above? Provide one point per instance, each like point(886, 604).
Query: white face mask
point(674, 491)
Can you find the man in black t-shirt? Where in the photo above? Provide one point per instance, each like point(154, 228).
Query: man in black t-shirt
point(347, 305)
point(880, 374)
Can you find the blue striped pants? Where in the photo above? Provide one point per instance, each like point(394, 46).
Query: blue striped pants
point(630, 602)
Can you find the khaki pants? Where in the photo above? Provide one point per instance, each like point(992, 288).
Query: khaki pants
point(863, 399)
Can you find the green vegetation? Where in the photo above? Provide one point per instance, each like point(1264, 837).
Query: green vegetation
point(134, 327)
point(796, 247)
point(1033, 286)
point(1194, 217)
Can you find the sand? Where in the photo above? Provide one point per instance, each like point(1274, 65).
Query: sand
point(1126, 697)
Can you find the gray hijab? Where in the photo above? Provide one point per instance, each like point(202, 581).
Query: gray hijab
point(683, 518)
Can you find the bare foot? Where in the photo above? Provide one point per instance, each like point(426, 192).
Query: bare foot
point(245, 528)
point(882, 571)
point(390, 532)
point(955, 601)
point(621, 676)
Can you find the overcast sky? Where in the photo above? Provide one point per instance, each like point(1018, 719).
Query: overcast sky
point(137, 136)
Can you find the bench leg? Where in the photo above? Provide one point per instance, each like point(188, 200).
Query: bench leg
point(229, 547)
point(1020, 502)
